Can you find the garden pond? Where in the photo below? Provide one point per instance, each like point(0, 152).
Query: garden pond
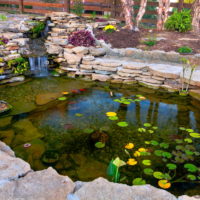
point(81, 127)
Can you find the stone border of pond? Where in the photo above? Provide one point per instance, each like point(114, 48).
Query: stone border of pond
point(19, 181)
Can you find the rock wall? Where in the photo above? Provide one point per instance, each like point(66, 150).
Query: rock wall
point(154, 69)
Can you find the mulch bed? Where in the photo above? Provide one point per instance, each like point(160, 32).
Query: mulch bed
point(171, 40)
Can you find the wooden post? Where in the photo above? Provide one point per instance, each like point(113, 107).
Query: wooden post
point(21, 6)
point(67, 5)
point(180, 5)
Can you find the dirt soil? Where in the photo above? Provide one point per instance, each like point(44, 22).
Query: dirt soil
point(166, 40)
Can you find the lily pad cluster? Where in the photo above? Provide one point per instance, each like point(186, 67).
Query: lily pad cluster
point(127, 101)
point(167, 162)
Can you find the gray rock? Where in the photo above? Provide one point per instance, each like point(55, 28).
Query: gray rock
point(6, 149)
point(13, 79)
point(54, 49)
point(80, 50)
point(100, 77)
point(97, 51)
point(101, 189)
point(185, 197)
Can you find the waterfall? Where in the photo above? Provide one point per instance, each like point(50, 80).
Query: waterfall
point(39, 66)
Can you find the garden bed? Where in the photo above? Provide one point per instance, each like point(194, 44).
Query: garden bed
point(166, 40)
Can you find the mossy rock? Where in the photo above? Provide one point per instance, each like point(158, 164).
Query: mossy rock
point(7, 136)
point(195, 94)
point(5, 121)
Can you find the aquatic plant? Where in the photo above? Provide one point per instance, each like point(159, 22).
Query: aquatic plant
point(188, 66)
point(20, 65)
point(162, 160)
point(82, 38)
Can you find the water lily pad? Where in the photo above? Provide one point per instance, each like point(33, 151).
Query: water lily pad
point(191, 177)
point(62, 98)
point(122, 124)
point(88, 130)
point(182, 128)
point(190, 167)
point(179, 141)
point(154, 143)
point(158, 175)
point(150, 131)
point(113, 118)
point(147, 125)
point(166, 154)
point(100, 145)
point(146, 162)
point(190, 153)
point(141, 130)
point(148, 171)
point(139, 181)
point(164, 145)
point(195, 135)
point(188, 140)
point(171, 166)
point(190, 130)
point(158, 152)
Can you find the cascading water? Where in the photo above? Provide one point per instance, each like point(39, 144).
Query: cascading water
point(39, 66)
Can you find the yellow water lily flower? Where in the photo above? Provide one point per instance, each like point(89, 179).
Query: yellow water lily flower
point(65, 93)
point(132, 161)
point(111, 114)
point(129, 146)
point(142, 98)
point(165, 184)
point(136, 154)
point(142, 150)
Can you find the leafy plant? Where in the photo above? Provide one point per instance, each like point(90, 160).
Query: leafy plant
point(37, 29)
point(3, 41)
point(94, 15)
point(20, 65)
point(78, 7)
point(184, 49)
point(82, 38)
point(107, 16)
point(3, 17)
point(110, 29)
point(179, 21)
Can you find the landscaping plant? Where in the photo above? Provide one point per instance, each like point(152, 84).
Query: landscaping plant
point(184, 49)
point(82, 38)
point(78, 7)
point(37, 29)
point(179, 21)
point(3, 41)
point(20, 65)
point(110, 29)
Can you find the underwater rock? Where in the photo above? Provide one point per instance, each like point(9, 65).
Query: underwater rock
point(7, 136)
point(27, 132)
point(42, 99)
point(5, 121)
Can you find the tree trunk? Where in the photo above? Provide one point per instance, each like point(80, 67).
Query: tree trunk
point(163, 10)
point(143, 5)
point(128, 12)
point(196, 16)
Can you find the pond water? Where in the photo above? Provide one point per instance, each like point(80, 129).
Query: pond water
point(46, 131)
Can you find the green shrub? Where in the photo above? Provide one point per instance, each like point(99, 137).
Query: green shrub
point(179, 21)
point(78, 7)
point(150, 43)
point(37, 29)
point(184, 49)
point(20, 65)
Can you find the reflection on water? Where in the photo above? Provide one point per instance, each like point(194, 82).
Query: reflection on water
point(56, 131)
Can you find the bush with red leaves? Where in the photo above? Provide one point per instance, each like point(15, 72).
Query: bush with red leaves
point(82, 38)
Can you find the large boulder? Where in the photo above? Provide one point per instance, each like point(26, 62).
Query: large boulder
point(72, 59)
point(101, 189)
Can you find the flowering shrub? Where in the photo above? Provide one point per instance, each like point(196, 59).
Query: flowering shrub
point(110, 29)
point(82, 38)
point(3, 40)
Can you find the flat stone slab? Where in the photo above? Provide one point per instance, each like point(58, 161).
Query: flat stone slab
point(195, 80)
point(166, 71)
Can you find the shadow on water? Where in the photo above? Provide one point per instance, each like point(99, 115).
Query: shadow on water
point(59, 131)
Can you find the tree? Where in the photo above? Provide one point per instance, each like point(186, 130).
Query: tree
point(128, 12)
point(143, 5)
point(163, 10)
point(196, 16)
